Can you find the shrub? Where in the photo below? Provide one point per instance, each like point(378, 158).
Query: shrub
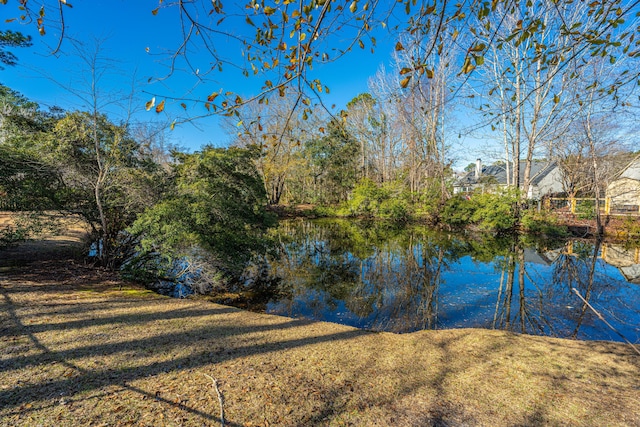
point(457, 211)
point(543, 222)
point(631, 227)
point(395, 209)
point(322, 212)
point(496, 211)
point(585, 209)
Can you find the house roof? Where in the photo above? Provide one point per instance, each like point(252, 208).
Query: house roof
point(498, 174)
point(632, 171)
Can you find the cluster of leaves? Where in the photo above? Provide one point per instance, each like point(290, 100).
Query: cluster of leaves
point(542, 222)
point(586, 209)
point(378, 201)
point(202, 215)
point(496, 211)
point(631, 228)
point(8, 39)
point(332, 160)
point(282, 41)
point(211, 220)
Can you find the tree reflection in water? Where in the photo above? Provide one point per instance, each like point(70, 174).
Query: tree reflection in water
point(380, 277)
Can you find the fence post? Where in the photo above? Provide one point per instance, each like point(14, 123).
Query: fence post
point(607, 205)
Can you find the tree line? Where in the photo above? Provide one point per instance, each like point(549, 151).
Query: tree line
point(535, 79)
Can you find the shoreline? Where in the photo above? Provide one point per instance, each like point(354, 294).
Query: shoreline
point(613, 225)
point(81, 347)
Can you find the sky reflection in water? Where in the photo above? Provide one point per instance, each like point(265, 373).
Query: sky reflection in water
point(373, 276)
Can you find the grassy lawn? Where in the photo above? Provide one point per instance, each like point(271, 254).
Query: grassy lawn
point(79, 348)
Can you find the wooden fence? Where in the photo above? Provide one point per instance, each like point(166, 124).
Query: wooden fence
point(584, 205)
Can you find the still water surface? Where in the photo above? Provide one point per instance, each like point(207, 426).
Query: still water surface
point(377, 277)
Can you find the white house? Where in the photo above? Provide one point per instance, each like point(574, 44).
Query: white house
point(546, 178)
point(624, 190)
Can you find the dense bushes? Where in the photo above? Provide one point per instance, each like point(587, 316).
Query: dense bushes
point(371, 200)
point(499, 212)
point(488, 211)
point(208, 226)
point(543, 222)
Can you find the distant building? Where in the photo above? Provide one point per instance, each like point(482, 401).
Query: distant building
point(624, 190)
point(546, 178)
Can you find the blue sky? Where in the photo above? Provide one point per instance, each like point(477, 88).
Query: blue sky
point(138, 42)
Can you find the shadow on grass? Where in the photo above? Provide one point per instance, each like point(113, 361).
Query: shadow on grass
point(88, 380)
point(214, 337)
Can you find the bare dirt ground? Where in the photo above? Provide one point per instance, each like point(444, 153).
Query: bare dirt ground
point(79, 347)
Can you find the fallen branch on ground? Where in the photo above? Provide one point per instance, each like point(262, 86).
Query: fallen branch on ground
point(220, 398)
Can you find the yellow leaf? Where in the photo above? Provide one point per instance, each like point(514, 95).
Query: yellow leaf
point(160, 107)
point(303, 36)
point(399, 46)
point(468, 66)
point(429, 72)
point(405, 82)
point(155, 11)
point(354, 6)
point(149, 105)
point(212, 97)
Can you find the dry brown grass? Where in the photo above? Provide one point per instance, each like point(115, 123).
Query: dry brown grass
point(80, 348)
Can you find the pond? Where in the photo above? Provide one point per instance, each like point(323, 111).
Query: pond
point(379, 277)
